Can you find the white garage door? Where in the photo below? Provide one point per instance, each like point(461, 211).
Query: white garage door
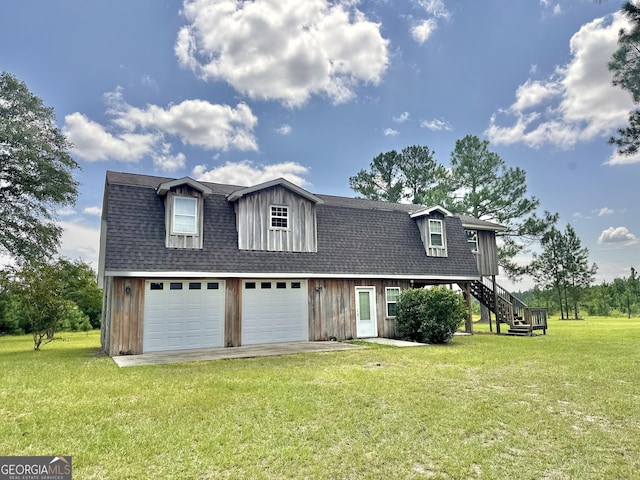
point(274, 311)
point(183, 314)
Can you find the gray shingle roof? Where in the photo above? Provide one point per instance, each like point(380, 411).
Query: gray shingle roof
point(355, 237)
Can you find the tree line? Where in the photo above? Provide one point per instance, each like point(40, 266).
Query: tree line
point(620, 297)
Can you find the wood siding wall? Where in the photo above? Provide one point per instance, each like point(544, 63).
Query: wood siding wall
point(487, 256)
point(332, 307)
point(233, 312)
point(181, 240)
point(423, 226)
point(124, 317)
point(253, 213)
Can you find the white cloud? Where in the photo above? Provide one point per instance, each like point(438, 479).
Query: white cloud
point(246, 173)
point(66, 212)
point(283, 50)
point(605, 211)
point(617, 235)
point(436, 125)
point(617, 159)
point(135, 132)
point(423, 29)
point(390, 132)
point(93, 142)
point(284, 129)
point(94, 210)
point(575, 104)
point(80, 241)
point(403, 117)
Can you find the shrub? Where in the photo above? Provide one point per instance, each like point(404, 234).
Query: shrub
point(430, 315)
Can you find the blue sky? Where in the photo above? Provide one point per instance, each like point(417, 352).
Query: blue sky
point(242, 92)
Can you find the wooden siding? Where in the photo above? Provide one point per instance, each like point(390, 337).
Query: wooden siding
point(182, 240)
point(126, 313)
point(487, 255)
point(233, 312)
point(253, 222)
point(423, 226)
point(332, 307)
point(105, 324)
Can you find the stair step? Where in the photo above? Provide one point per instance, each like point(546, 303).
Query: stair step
point(518, 333)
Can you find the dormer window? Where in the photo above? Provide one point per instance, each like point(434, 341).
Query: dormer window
point(185, 218)
point(435, 234)
point(279, 217)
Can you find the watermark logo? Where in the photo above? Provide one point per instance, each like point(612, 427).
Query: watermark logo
point(35, 468)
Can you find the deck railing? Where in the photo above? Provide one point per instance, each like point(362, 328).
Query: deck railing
point(511, 310)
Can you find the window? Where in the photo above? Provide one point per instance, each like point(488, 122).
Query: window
point(279, 217)
point(175, 286)
point(195, 285)
point(250, 285)
point(281, 284)
point(265, 285)
point(212, 286)
point(184, 215)
point(295, 284)
point(435, 234)
point(472, 239)
point(156, 286)
point(392, 301)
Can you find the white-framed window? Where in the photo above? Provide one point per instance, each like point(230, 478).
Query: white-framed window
point(392, 295)
point(472, 240)
point(279, 217)
point(436, 238)
point(185, 218)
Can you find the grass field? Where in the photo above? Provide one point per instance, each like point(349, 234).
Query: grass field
point(561, 406)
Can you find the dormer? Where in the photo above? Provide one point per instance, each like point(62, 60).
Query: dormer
point(184, 212)
point(276, 216)
point(432, 225)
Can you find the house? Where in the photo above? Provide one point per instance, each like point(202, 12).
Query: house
point(187, 264)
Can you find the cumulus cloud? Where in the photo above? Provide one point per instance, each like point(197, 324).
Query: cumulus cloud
point(618, 236)
point(403, 117)
point(617, 159)
point(390, 132)
point(576, 103)
point(133, 132)
point(284, 129)
point(422, 29)
point(436, 125)
point(247, 173)
point(94, 210)
point(283, 50)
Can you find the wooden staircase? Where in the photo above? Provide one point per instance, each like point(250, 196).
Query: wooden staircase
point(522, 319)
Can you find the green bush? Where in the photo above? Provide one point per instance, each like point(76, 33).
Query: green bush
point(430, 315)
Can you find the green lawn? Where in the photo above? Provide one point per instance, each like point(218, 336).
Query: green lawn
point(561, 406)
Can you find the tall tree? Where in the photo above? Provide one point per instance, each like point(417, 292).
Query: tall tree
point(36, 174)
point(412, 175)
point(625, 65)
point(563, 266)
point(383, 181)
point(481, 185)
point(580, 275)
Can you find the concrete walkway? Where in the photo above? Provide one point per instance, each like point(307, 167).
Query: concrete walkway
point(248, 351)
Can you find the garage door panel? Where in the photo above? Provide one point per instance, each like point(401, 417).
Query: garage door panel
point(178, 315)
point(278, 313)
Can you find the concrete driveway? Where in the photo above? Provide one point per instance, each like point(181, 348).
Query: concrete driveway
point(248, 351)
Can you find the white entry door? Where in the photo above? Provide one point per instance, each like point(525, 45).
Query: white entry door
point(366, 322)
